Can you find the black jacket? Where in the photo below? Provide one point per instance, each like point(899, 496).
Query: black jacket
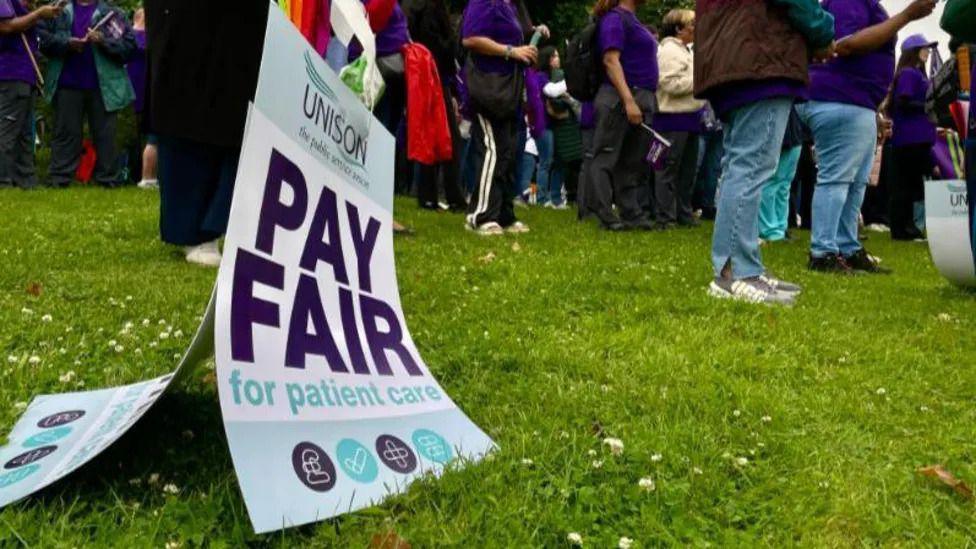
point(204, 57)
point(430, 25)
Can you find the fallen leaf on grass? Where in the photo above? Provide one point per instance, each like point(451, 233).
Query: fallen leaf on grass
point(488, 258)
point(945, 477)
point(35, 289)
point(389, 540)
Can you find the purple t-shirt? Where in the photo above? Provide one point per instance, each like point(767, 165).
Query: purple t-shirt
point(727, 98)
point(79, 68)
point(535, 104)
point(861, 80)
point(587, 116)
point(911, 123)
point(15, 64)
point(137, 70)
point(621, 30)
point(395, 35)
point(498, 20)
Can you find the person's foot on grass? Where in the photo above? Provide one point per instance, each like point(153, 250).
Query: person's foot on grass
point(750, 290)
point(401, 230)
point(517, 228)
point(148, 184)
point(830, 263)
point(862, 261)
point(663, 227)
point(486, 229)
point(206, 254)
point(780, 286)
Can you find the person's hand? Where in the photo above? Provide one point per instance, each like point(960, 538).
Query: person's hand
point(543, 30)
point(528, 55)
point(95, 37)
point(825, 54)
point(885, 128)
point(634, 114)
point(919, 9)
point(77, 45)
point(50, 11)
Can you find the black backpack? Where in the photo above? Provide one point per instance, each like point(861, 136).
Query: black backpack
point(944, 91)
point(584, 62)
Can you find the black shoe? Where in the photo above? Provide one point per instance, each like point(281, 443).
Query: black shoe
point(830, 263)
point(643, 225)
point(862, 261)
point(433, 206)
point(614, 227)
point(663, 227)
point(689, 223)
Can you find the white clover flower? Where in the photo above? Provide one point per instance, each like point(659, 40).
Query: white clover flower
point(736, 413)
point(112, 343)
point(178, 333)
point(20, 406)
point(597, 464)
point(767, 419)
point(77, 363)
point(575, 539)
point(173, 545)
point(616, 445)
point(527, 462)
point(47, 318)
point(647, 484)
point(591, 453)
point(164, 335)
point(882, 391)
point(171, 489)
point(188, 435)
point(26, 311)
point(12, 359)
point(145, 322)
point(563, 434)
point(128, 298)
point(656, 458)
point(153, 344)
point(34, 360)
point(923, 408)
point(945, 317)
point(135, 482)
point(161, 322)
point(119, 348)
point(697, 471)
point(154, 478)
point(625, 543)
point(67, 377)
point(742, 461)
point(62, 351)
point(138, 351)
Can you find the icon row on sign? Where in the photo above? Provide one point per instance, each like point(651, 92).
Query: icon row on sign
point(317, 471)
point(39, 446)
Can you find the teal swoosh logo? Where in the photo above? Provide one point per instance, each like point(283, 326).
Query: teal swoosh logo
point(317, 80)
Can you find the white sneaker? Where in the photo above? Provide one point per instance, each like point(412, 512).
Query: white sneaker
point(780, 286)
point(206, 254)
point(517, 228)
point(148, 184)
point(749, 290)
point(878, 228)
point(486, 229)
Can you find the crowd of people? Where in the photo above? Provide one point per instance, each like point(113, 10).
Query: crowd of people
point(761, 116)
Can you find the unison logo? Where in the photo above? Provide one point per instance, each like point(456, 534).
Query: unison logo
point(320, 108)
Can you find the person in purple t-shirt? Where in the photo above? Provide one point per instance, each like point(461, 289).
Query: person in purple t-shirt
point(87, 48)
point(493, 32)
point(913, 136)
point(146, 156)
point(624, 103)
point(845, 96)
point(18, 77)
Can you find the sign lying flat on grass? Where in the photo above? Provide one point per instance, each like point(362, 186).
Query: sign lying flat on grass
point(59, 433)
point(327, 404)
point(949, 235)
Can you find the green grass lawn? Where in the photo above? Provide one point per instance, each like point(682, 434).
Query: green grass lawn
point(569, 336)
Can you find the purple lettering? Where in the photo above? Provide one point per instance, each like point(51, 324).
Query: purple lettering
point(364, 244)
point(308, 305)
point(274, 213)
point(245, 309)
point(391, 340)
point(356, 355)
point(326, 218)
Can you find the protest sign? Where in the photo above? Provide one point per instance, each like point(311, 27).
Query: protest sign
point(59, 433)
point(947, 224)
point(327, 404)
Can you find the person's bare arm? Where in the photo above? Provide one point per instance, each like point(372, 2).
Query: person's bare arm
point(876, 36)
point(615, 72)
point(486, 46)
point(24, 22)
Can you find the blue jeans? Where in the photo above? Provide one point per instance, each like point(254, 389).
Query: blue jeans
point(710, 154)
point(753, 138)
point(845, 137)
point(774, 208)
point(550, 178)
point(526, 167)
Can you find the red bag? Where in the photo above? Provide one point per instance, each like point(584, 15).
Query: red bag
point(428, 133)
point(86, 165)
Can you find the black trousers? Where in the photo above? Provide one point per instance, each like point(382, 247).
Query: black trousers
point(807, 172)
point(17, 135)
point(675, 184)
point(493, 144)
point(70, 110)
point(447, 174)
point(911, 164)
point(617, 168)
point(877, 199)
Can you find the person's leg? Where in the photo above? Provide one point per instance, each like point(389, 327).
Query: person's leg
point(750, 160)
point(900, 207)
point(844, 138)
point(544, 172)
point(666, 180)
point(102, 125)
point(686, 182)
point(808, 182)
point(16, 135)
point(786, 173)
point(187, 174)
point(485, 205)
point(522, 179)
point(611, 128)
point(556, 178)
point(767, 206)
point(426, 183)
point(525, 170)
point(69, 110)
point(848, 237)
point(218, 209)
point(149, 161)
point(507, 141)
point(448, 173)
point(582, 188)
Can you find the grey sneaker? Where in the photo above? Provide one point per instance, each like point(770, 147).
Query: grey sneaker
point(749, 290)
point(781, 286)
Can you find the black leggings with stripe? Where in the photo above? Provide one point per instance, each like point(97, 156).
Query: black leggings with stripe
point(494, 144)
